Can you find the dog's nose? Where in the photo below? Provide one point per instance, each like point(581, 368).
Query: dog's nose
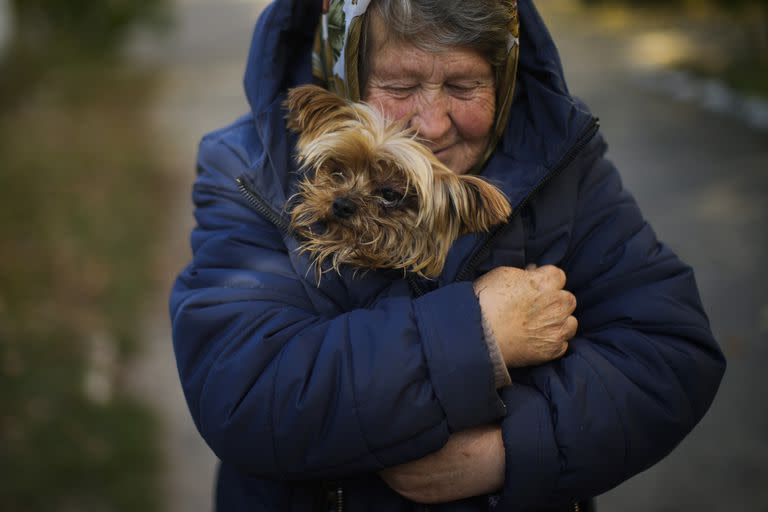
point(343, 208)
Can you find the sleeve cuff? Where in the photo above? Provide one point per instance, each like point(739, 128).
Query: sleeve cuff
point(457, 356)
point(501, 375)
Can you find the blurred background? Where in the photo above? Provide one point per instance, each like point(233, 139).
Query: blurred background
point(101, 108)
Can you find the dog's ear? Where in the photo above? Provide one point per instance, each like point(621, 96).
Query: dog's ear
point(487, 205)
point(311, 108)
point(476, 204)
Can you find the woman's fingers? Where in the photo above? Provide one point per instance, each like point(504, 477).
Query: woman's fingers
point(528, 313)
point(570, 327)
point(550, 277)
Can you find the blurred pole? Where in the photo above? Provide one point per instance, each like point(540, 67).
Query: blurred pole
point(5, 26)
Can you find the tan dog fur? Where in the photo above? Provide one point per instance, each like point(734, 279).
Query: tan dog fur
point(372, 196)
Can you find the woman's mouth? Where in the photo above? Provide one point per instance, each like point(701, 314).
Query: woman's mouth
point(442, 151)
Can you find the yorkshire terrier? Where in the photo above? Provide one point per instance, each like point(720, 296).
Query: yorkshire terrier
point(374, 197)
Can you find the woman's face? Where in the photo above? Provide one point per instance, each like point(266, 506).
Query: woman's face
point(449, 97)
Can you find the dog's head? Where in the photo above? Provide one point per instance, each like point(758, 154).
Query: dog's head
point(372, 196)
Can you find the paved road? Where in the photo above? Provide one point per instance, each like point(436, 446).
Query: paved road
point(202, 64)
point(700, 179)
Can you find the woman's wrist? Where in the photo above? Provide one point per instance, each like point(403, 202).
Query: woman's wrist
point(501, 377)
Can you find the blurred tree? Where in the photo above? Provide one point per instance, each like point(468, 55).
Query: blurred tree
point(752, 15)
point(755, 16)
point(80, 185)
point(58, 37)
point(82, 182)
point(93, 26)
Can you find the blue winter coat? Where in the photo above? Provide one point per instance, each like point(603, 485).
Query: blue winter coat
point(299, 388)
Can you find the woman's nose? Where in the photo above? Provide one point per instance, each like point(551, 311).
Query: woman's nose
point(432, 118)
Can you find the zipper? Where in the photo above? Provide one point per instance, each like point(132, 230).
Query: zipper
point(332, 497)
point(414, 285)
point(339, 499)
point(262, 206)
point(567, 160)
point(576, 507)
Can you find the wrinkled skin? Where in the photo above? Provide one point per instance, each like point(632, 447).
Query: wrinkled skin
point(449, 98)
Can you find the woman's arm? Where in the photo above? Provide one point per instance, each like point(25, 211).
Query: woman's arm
point(470, 464)
point(528, 314)
point(285, 392)
point(640, 373)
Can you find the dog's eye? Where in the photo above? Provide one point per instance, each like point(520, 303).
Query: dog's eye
point(390, 196)
point(337, 175)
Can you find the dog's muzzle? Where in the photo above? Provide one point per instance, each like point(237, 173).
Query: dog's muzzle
point(343, 208)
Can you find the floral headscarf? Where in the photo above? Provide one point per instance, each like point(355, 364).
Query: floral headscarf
point(336, 56)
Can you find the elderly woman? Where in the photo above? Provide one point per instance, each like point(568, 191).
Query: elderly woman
point(368, 393)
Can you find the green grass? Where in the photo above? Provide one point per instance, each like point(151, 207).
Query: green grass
point(81, 194)
point(749, 78)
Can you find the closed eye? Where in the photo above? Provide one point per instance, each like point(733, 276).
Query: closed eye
point(461, 90)
point(400, 91)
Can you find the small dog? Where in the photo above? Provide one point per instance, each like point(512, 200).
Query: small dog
point(374, 197)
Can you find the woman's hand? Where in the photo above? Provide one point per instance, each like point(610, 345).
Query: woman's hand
point(470, 464)
point(528, 313)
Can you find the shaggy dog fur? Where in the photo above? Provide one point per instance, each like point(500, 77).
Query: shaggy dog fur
point(372, 196)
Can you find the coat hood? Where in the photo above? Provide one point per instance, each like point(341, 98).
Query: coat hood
point(542, 124)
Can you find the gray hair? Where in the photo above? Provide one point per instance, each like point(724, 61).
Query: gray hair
point(434, 25)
